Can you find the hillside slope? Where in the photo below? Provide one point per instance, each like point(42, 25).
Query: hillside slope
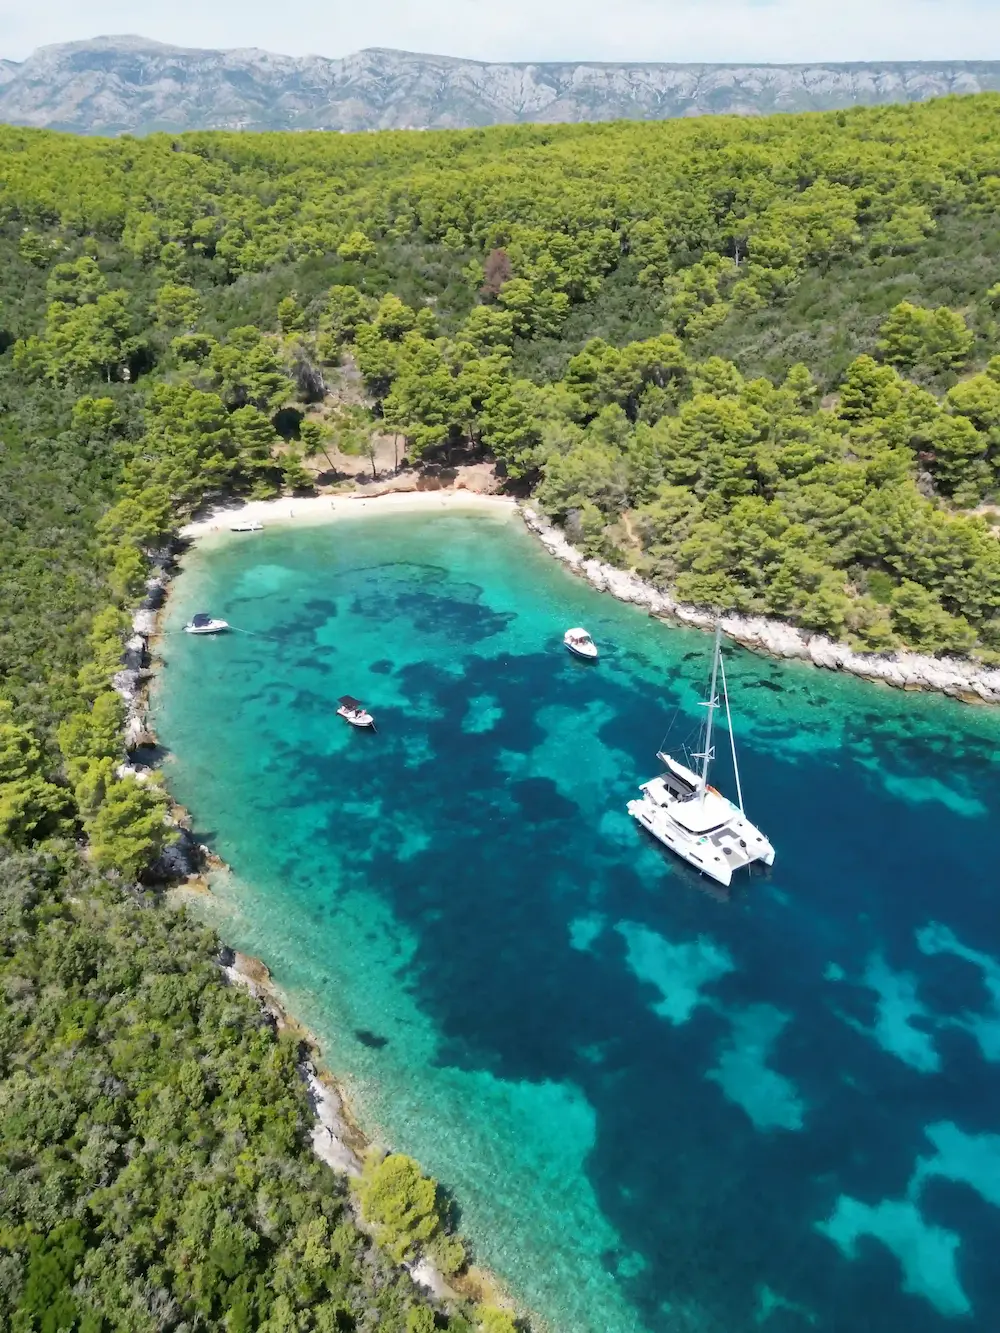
point(115, 85)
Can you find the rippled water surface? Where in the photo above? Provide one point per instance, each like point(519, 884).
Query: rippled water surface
point(658, 1111)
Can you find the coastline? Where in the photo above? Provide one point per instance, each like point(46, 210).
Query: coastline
point(328, 508)
point(335, 1137)
point(960, 678)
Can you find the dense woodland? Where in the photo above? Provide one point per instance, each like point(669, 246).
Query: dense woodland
point(758, 361)
point(153, 1140)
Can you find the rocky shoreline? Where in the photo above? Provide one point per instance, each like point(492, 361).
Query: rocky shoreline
point(336, 1140)
point(335, 1137)
point(958, 677)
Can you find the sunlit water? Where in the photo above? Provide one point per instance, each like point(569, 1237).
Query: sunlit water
point(658, 1111)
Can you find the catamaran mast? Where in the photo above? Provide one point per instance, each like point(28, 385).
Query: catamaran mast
point(732, 738)
point(711, 704)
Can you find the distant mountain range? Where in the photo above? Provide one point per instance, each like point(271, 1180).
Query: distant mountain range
point(116, 85)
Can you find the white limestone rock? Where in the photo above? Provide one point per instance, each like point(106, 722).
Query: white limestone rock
point(126, 683)
point(961, 678)
point(329, 1135)
point(144, 622)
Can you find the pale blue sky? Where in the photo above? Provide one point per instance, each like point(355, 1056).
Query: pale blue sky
point(712, 30)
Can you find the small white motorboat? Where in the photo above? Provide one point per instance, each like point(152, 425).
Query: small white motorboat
point(248, 525)
point(353, 711)
point(579, 642)
point(203, 623)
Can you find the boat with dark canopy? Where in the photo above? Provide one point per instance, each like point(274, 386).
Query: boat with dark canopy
point(203, 623)
point(354, 711)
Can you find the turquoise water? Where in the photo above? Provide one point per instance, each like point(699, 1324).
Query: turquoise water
point(657, 1110)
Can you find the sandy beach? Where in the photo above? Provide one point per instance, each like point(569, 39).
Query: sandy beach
point(325, 508)
point(961, 678)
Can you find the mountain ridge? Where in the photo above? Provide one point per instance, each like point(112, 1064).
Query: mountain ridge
point(130, 84)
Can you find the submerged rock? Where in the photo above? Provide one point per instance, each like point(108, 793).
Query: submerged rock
point(959, 677)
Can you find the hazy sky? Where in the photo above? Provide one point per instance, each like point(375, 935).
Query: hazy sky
point(712, 30)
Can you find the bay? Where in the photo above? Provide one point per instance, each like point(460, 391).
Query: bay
point(655, 1109)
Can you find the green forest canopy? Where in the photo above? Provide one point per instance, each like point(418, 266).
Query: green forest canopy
point(755, 359)
point(154, 1137)
point(752, 358)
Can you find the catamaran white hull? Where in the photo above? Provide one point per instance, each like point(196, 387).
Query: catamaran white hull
point(717, 854)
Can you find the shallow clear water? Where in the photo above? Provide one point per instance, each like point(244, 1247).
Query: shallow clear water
point(658, 1111)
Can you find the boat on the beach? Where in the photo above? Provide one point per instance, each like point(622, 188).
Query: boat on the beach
point(681, 810)
point(247, 525)
point(354, 711)
point(203, 623)
point(579, 642)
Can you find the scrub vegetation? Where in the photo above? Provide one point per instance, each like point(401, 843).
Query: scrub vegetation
point(156, 1171)
point(755, 360)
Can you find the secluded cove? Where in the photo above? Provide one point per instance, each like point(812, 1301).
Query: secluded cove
point(657, 1111)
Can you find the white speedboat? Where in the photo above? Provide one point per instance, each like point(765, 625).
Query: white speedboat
point(579, 642)
point(353, 711)
point(681, 810)
point(248, 525)
point(203, 623)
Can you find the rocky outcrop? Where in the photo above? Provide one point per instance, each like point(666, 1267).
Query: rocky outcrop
point(331, 1131)
point(958, 677)
point(113, 85)
point(183, 858)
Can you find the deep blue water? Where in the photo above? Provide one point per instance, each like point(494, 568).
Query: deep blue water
point(658, 1110)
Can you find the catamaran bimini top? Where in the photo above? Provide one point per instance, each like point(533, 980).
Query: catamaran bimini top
point(702, 814)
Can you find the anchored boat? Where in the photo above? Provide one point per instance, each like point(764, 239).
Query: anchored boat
point(681, 810)
point(203, 623)
point(579, 642)
point(354, 711)
point(247, 525)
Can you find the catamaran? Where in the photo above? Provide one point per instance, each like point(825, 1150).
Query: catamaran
point(692, 818)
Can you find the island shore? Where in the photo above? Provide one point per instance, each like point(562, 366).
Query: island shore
point(325, 508)
point(961, 678)
point(336, 1138)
